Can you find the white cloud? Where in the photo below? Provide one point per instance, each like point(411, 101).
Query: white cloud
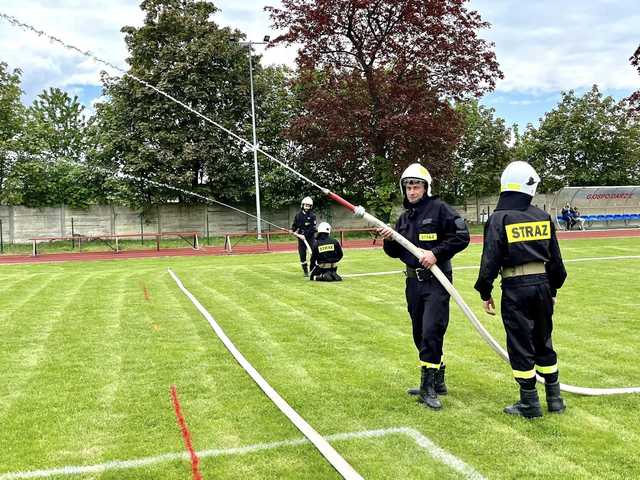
point(95, 25)
point(546, 45)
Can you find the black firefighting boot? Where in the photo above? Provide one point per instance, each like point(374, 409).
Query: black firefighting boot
point(335, 276)
point(305, 270)
point(428, 395)
point(555, 403)
point(441, 387)
point(528, 406)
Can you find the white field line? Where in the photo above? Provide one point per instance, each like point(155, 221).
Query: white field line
point(423, 442)
point(325, 449)
point(586, 259)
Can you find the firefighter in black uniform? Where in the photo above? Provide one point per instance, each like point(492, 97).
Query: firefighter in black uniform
point(326, 252)
point(435, 227)
point(520, 243)
point(304, 226)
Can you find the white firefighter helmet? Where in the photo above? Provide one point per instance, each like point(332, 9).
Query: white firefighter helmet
point(415, 171)
point(306, 201)
point(519, 177)
point(324, 227)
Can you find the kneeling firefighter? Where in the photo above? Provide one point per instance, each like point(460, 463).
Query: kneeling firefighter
point(304, 227)
point(520, 244)
point(326, 252)
point(438, 230)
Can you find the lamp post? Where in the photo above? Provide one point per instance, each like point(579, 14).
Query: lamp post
point(253, 122)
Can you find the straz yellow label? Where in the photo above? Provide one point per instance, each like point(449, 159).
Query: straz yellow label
point(326, 248)
point(428, 237)
point(528, 231)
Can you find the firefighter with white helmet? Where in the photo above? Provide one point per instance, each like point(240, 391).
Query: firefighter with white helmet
point(304, 226)
point(326, 252)
point(440, 232)
point(520, 244)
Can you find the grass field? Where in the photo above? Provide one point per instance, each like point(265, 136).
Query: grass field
point(90, 350)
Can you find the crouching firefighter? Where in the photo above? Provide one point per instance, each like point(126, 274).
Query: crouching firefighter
point(440, 233)
point(304, 225)
point(326, 252)
point(520, 244)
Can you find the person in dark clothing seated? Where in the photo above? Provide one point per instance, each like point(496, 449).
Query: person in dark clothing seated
point(326, 252)
point(567, 217)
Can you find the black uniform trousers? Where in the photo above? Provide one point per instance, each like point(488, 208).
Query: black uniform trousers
point(428, 305)
point(302, 248)
point(527, 310)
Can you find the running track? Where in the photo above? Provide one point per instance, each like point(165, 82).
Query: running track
point(253, 249)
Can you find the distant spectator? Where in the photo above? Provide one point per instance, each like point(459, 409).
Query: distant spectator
point(567, 217)
point(574, 213)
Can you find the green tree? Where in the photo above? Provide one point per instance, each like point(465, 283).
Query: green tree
point(12, 114)
point(55, 127)
point(482, 153)
point(182, 52)
point(587, 140)
point(48, 168)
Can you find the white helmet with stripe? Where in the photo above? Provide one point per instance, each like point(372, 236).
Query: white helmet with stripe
point(519, 177)
point(324, 227)
point(306, 201)
point(415, 171)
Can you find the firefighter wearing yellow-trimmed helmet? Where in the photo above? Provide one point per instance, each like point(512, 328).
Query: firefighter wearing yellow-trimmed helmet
point(417, 173)
point(521, 245)
point(439, 231)
point(519, 177)
point(304, 224)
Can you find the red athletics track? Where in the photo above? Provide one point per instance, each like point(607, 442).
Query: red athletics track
point(253, 249)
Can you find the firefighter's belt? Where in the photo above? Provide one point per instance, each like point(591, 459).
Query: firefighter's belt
point(327, 265)
point(532, 268)
point(421, 274)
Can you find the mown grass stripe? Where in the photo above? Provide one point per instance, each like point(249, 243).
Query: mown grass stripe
point(422, 441)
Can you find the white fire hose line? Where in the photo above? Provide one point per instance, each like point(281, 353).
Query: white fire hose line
point(486, 336)
point(327, 451)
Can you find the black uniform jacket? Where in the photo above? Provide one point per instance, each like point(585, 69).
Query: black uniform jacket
point(325, 250)
point(432, 225)
point(304, 223)
point(518, 233)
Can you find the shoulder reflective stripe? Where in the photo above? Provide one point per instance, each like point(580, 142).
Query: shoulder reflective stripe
point(326, 248)
point(524, 374)
point(549, 369)
point(527, 231)
point(429, 365)
point(427, 237)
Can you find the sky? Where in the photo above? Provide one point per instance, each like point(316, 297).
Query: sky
point(544, 47)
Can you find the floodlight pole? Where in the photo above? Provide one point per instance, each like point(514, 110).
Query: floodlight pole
point(255, 140)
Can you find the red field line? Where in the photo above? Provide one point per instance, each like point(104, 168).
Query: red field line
point(186, 435)
point(254, 249)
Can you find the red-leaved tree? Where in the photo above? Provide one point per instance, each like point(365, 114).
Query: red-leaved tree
point(376, 81)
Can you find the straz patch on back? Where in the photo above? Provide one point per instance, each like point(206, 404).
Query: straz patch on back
point(326, 248)
point(528, 231)
point(427, 237)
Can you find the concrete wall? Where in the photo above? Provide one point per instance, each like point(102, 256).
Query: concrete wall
point(19, 224)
